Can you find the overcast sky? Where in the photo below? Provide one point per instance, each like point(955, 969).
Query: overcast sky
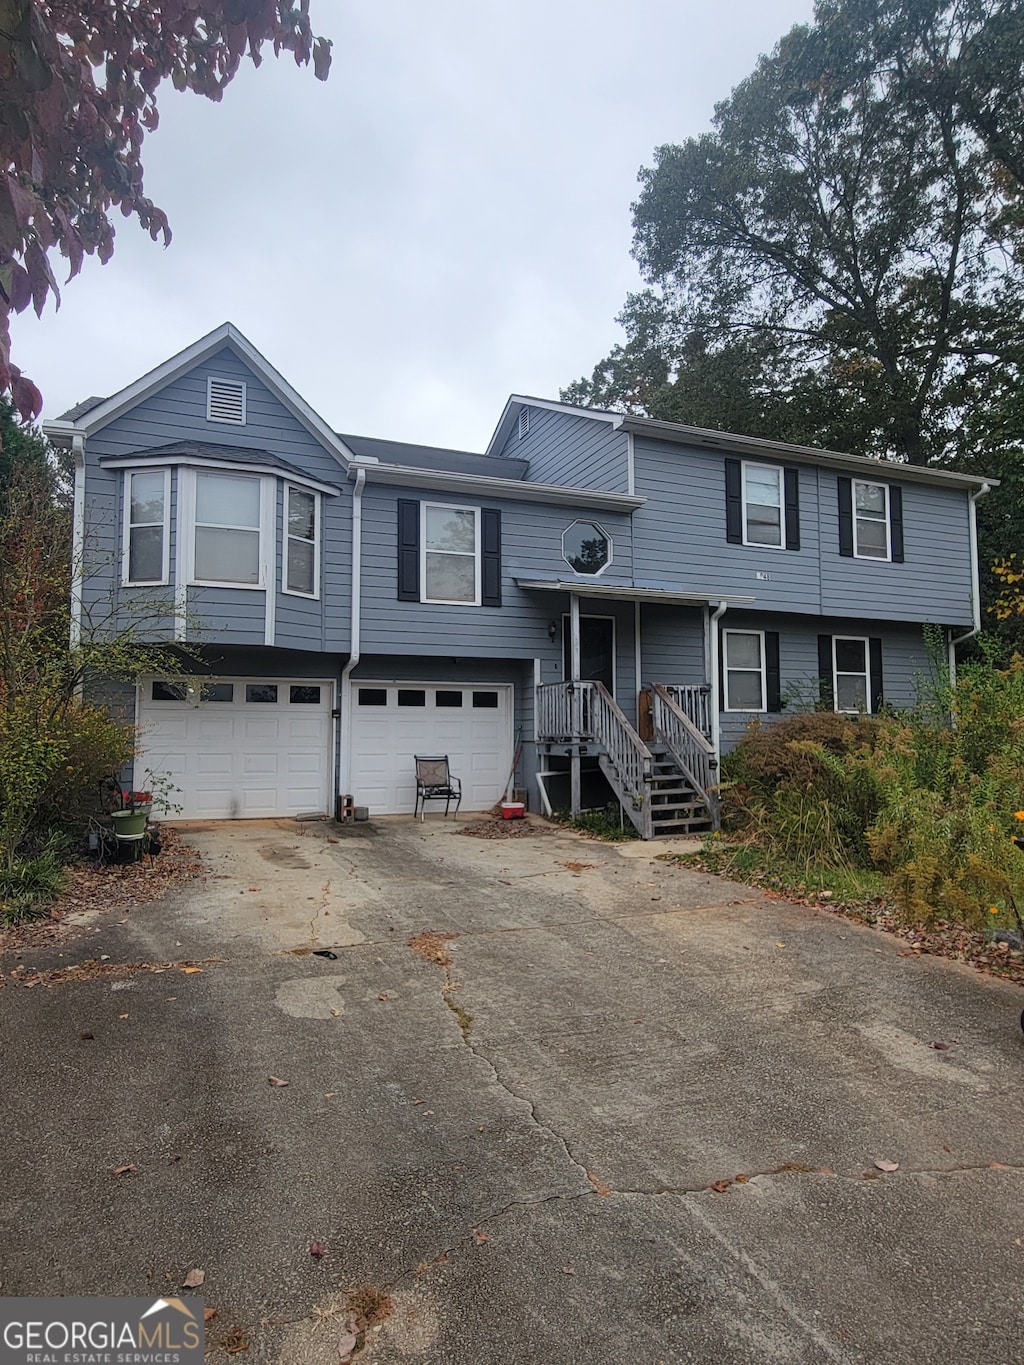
point(444, 222)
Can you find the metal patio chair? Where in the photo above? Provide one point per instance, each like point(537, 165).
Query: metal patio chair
point(434, 782)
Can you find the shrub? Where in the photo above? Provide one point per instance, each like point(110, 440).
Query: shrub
point(29, 886)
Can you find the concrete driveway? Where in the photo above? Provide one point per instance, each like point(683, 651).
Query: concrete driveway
point(518, 1145)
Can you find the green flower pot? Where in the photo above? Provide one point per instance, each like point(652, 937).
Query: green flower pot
point(129, 824)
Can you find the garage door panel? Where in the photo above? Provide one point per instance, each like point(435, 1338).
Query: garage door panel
point(240, 758)
point(477, 740)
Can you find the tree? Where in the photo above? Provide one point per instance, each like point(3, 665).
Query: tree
point(835, 263)
point(78, 86)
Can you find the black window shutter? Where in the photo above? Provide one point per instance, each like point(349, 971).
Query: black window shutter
point(772, 672)
point(490, 545)
point(792, 478)
point(408, 550)
point(734, 502)
point(825, 694)
point(875, 650)
point(845, 517)
point(896, 522)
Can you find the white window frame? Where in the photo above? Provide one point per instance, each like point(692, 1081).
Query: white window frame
point(126, 532)
point(779, 472)
point(477, 557)
point(188, 524)
point(762, 671)
point(866, 675)
point(878, 559)
point(237, 383)
point(287, 536)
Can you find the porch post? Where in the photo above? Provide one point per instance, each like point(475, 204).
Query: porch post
point(715, 677)
point(575, 782)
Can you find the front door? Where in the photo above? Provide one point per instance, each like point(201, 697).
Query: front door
point(597, 650)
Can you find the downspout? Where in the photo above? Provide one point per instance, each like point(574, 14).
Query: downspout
point(972, 515)
point(77, 538)
point(716, 689)
point(345, 696)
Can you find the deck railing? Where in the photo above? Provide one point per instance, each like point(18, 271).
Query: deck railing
point(694, 700)
point(693, 752)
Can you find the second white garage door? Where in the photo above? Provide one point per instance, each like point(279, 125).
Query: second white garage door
point(393, 722)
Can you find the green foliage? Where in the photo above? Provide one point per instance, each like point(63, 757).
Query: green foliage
point(609, 823)
point(31, 885)
point(839, 261)
point(931, 806)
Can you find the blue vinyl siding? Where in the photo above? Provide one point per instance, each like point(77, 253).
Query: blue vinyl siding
point(564, 449)
point(682, 526)
point(178, 413)
point(673, 645)
point(906, 667)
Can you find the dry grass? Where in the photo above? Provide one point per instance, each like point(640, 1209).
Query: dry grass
point(431, 946)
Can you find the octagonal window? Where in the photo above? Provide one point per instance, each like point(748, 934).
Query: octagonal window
point(586, 547)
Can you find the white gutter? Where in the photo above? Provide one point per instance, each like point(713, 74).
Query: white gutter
point(77, 539)
point(716, 690)
point(345, 697)
point(972, 515)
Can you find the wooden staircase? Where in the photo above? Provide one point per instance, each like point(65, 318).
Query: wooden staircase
point(667, 788)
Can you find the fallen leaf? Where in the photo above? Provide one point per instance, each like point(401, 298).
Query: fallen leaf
point(997, 1166)
point(317, 1250)
point(884, 1165)
point(346, 1345)
point(720, 1186)
point(275, 1080)
point(189, 971)
point(235, 1341)
point(86, 1037)
point(479, 1236)
point(126, 1169)
point(742, 1179)
point(253, 888)
point(383, 995)
point(336, 1013)
point(122, 1016)
point(194, 1279)
point(940, 1047)
point(209, 1314)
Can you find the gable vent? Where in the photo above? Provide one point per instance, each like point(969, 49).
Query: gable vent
point(524, 422)
point(225, 401)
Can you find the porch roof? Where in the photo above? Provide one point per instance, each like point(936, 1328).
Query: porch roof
point(631, 592)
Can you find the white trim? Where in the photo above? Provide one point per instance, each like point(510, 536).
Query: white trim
point(591, 616)
point(872, 483)
point(463, 554)
point(267, 485)
point(211, 462)
point(631, 593)
point(637, 649)
point(780, 474)
point(630, 463)
point(713, 675)
point(848, 673)
point(77, 541)
point(227, 381)
point(286, 535)
point(226, 335)
point(268, 556)
point(509, 417)
point(345, 729)
point(516, 490)
point(763, 671)
point(126, 530)
point(584, 521)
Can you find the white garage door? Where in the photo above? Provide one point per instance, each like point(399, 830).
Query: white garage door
point(394, 721)
point(238, 748)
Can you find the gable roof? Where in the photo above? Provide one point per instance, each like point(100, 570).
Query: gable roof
point(93, 418)
point(509, 418)
point(434, 457)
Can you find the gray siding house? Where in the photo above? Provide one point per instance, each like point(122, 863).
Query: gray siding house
point(596, 601)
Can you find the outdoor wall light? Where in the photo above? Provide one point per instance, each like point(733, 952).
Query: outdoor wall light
point(552, 631)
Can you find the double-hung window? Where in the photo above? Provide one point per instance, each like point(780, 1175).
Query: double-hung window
point(871, 536)
point(851, 674)
point(228, 520)
point(450, 546)
point(302, 542)
point(147, 506)
point(744, 670)
point(762, 505)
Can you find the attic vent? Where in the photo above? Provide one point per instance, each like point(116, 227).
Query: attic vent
point(524, 422)
point(225, 401)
